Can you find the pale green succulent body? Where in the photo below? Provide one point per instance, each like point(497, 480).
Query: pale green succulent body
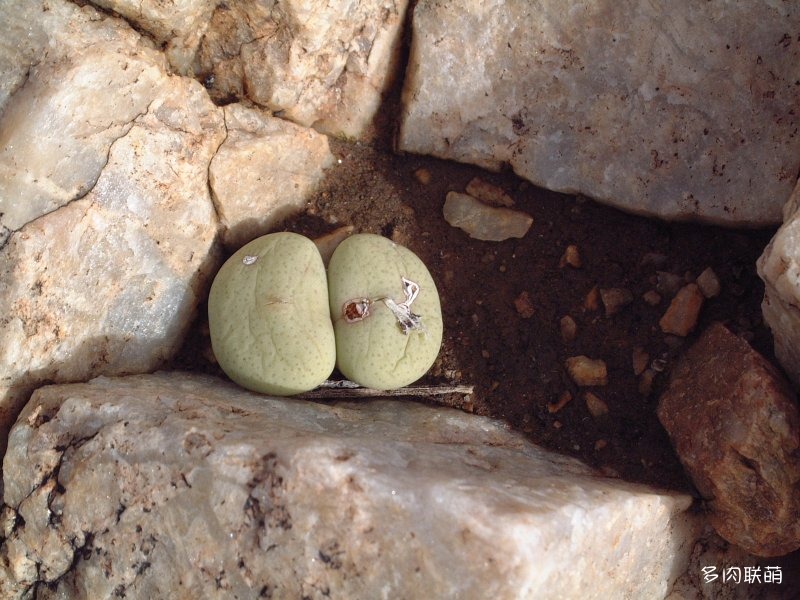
point(374, 351)
point(268, 316)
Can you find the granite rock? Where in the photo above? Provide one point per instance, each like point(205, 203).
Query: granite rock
point(218, 493)
point(685, 115)
point(263, 172)
point(735, 425)
point(779, 267)
point(108, 283)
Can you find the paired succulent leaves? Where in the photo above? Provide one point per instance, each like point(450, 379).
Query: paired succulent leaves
point(278, 324)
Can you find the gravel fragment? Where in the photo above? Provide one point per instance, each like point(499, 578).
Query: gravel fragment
point(668, 284)
point(639, 360)
point(569, 329)
point(652, 297)
point(423, 175)
point(708, 282)
point(488, 193)
point(482, 222)
point(564, 398)
point(614, 299)
point(571, 257)
point(597, 408)
point(586, 371)
point(681, 316)
point(592, 301)
point(524, 306)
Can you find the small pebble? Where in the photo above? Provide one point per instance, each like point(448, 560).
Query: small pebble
point(569, 329)
point(586, 371)
point(614, 299)
point(708, 282)
point(646, 382)
point(423, 176)
point(640, 359)
point(524, 305)
point(485, 354)
point(683, 312)
point(600, 444)
point(596, 406)
point(592, 301)
point(563, 399)
point(668, 283)
point(488, 193)
point(652, 297)
point(557, 424)
point(571, 257)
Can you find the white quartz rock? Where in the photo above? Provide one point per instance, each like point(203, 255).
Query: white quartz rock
point(228, 493)
point(109, 283)
point(86, 78)
point(265, 171)
point(685, 114)
point(779, 267)
point(483, 222)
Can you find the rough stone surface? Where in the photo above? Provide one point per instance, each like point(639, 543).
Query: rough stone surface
point(222, 493)
point(779, 267)
point(108, 283)
point(73, 82)
point(264, 171)
point(483, 222)
point(688, 115)
point(735, 425)
point(321, 64)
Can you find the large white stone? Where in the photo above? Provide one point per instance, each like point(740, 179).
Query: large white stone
point(75, 81)
point(211, 491)
point(109, 283)
point(779, 267)
point(685, 113)
point(264, 171)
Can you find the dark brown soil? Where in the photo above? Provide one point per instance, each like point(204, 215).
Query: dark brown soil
point(516, 361)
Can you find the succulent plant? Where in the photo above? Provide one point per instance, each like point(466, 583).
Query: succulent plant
point(385, 310)
point(268, 316)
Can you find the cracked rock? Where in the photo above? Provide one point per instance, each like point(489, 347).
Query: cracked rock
point(108, 283)
point(735, 426)
point(264, 172)
point(690, 117)
point(228, 494)
point(87, 78)
point(320, 64)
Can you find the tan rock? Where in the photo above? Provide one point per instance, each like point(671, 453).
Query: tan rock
point(592, 300)
point(488, 193)
point(639, 360)
point(86, 79)
point(586, 371)
point(422, 175)
point(232, 493)
point(708, 282)
point(652, 297)
point(564, 398)
point(683, 312)
point(264, 171)
point(524, 305)
point(615, 299)
point(604, 101)
point(595, 405)
point(569, 329)
point(325, 65)
point(571, 257)
point(108, 284)
point(483, 222)
point(735, 425)
point(327, 243)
